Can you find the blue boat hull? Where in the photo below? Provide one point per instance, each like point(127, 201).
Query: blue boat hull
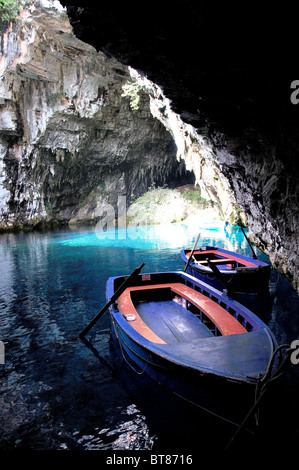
point(245, 283)
point(225, 399)
point(242, 281)
point(249, 286)
point(206, 372)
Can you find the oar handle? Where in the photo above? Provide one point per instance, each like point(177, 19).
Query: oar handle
point(252, 250)
point(115, 296)
point(191, 254)
point(219, 275)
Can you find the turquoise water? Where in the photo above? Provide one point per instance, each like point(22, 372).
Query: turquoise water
point(61, 393)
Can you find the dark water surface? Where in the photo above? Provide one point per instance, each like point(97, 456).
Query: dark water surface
point(59, 393)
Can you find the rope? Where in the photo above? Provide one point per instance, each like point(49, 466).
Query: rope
point(177, 394)
point(263, 384)
point(210, 412)
point(274, 283)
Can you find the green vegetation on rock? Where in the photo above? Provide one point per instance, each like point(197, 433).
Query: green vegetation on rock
point(163, 205)
point(9, 10)
point(194, 196)
point(132, 90)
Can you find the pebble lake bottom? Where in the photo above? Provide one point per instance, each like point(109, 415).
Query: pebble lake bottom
point(61, 393)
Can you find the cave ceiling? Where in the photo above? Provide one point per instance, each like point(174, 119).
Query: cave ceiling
point(228, 68)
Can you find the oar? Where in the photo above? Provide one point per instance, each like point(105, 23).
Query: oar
point(220, 276)
point(191, 254)
point(253, 253)
point(115, 296)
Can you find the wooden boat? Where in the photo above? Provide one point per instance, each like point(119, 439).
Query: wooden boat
point(222, 268)
point(193, 339)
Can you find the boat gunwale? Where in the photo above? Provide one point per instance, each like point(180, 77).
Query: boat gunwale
point(223, 320)
point(256, 264)
point(155, 347)
point(119, 324)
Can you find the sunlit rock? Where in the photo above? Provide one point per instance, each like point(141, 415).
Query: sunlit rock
point(73, 140)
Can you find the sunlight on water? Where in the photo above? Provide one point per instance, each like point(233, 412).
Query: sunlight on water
point(164, 236)
point(51, 286)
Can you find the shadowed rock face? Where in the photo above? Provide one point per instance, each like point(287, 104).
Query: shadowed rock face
point(70, 143)
point(228, 72)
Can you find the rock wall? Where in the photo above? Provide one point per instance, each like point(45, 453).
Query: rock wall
point(268, 194)
point(230, 173)
point(69, 141)
point(227, 72)
point(195, 150)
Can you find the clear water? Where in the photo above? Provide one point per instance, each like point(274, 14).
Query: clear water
point(62, 393)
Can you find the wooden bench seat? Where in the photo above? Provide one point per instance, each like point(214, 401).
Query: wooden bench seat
point(224, 321)
point(217, 261)
point(236, 258)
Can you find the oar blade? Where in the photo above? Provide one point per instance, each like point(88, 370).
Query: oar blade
point(115, 296)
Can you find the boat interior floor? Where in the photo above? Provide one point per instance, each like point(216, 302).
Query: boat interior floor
point(226, 261)
point(174, 323)
point(235, 355)
point(190, 340)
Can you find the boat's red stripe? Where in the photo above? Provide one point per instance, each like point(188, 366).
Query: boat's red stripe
point(223, 256)
point(126, 307)
point(224, 321)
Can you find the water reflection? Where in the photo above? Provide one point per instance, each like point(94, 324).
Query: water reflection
point(57, 393)
point(131, 433)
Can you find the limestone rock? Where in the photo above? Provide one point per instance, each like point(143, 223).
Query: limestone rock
point(70, 143)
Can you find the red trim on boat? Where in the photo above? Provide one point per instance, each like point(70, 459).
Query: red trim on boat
point(223, 258)
point(126, 307)
point(224, 321)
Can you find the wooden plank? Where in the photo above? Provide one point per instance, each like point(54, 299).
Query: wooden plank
point(224, 256)
point(217, 261)
point(126, 307)
point(202, 252)
point(171, 321)
point(224, 321)
point(234, 355)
